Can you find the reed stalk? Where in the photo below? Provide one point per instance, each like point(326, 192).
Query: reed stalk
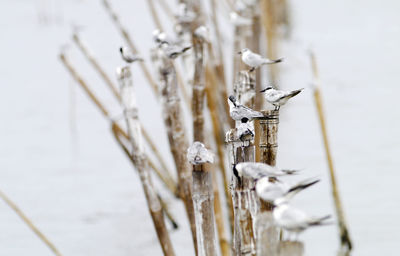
point(122, 139)
point(218, 137)
point(131, 45)
point(140, 160)
point(243, 197)
point(176, 132)
point(165, 178)
point(30, 224)
point(268, 18)
point(245, 200)
point(269, 136)
point(181, 83)
point(203, 191)
point(345, 240)
point(203, 201)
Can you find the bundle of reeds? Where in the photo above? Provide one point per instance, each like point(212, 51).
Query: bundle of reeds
point(244, 225)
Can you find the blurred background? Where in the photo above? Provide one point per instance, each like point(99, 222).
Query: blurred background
point(61, 165)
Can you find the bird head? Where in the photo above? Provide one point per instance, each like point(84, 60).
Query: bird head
point(243, 51)
point(232, 99)
point(266, 89)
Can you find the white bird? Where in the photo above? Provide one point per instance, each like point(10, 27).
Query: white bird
point(162, 38)
point(241, 113)
point(258, 170)
point(292, 219)
point(278, 97)
point(197, 154)
point(238, 20)
point(255, 60)
point(269, 190)
point(202, 33)
point(128, 55)
point(245, 131)
point(173, 51)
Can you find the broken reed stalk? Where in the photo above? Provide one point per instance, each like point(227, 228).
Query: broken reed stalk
point(245, 200)
point(29, 223)
point(140, 160)
point(346, 244)
point(203, 192)
point(165, 178)
point(269, 136)
point(131, 45)
point(115, 91)
point(203, 202)
point(243, 197)
point(177, 137)
point(96, 65)
point(268, 18)
point(267, 233)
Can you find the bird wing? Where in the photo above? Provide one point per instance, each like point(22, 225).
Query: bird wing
point(255, 170)
point(293, 218)
point(275, 95)
point(270, 191)
point(255, 58)
point(249, 112)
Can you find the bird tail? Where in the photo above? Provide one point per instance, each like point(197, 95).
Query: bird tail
point(267, 61)
point(186, 49)
point(320, 221)
point(295, 92)
point(303, 185)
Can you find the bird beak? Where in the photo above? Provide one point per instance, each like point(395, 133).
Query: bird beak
point(240, 52)
point(263, 90)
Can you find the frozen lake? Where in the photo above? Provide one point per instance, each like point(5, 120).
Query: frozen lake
point(60, 164)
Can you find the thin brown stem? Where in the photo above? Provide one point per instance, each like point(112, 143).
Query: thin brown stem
point(30, 224)
point(346, 244)
point(96, 65)
point(177, 137)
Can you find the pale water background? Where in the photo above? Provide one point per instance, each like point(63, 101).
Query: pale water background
point(60, 164)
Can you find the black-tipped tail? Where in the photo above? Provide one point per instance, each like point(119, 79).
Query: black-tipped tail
point(303, 185)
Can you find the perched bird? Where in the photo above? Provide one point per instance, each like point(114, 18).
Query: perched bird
point(162, 38)
point(292, 219)
point(202, 33)
point(197, 154)
point(269, 191)
point(278, 97)
point(245, 131)
point(255, 60)
point(238, 20)
point(128, 55)
point(258, 170)
point(241, 113)
point(173, 51)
